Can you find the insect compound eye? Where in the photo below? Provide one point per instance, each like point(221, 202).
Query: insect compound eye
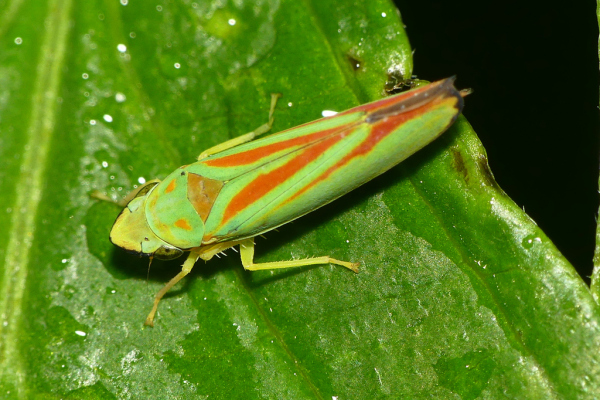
point(167, 253)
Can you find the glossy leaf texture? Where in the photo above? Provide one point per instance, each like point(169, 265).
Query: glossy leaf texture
point(460, 294)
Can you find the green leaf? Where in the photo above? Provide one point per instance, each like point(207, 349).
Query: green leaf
point(460, 294)
point(595, 284)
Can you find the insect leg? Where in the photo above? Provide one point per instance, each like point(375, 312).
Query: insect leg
point(247, 254)
point(209, 251)
point(244, 138)
point(98, 195)
point(186, 268)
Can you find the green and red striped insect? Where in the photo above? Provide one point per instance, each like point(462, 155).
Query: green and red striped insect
point(244, 187)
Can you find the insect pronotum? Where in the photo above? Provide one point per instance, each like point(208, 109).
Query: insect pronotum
point(243, 187)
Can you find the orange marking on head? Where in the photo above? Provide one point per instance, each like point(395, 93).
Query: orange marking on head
point(183, 224)
point(171, 186)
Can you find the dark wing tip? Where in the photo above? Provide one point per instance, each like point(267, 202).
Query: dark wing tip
point(419, 97)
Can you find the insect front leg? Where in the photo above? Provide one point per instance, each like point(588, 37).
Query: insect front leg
point(186, 268)
point(247, 254)
point(244, 138)
point(98, 195)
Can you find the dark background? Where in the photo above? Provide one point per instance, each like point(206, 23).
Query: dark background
point(533, 67)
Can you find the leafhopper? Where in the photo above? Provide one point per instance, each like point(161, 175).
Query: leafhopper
point(245, 187)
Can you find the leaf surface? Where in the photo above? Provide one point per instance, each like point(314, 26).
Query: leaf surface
point(460, 295)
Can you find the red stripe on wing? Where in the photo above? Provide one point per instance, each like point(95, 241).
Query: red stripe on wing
point(264, 183)
point(402, 97)
point(379, 131)
point(254, 155)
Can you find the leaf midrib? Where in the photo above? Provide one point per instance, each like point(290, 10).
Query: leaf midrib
point(44, 107)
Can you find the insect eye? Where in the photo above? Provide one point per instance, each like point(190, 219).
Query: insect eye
point(167, 253)
point(145, 189)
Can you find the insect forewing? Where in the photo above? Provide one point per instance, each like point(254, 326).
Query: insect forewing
point(281, 177)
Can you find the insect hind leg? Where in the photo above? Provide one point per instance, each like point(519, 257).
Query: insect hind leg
point(247, 254)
